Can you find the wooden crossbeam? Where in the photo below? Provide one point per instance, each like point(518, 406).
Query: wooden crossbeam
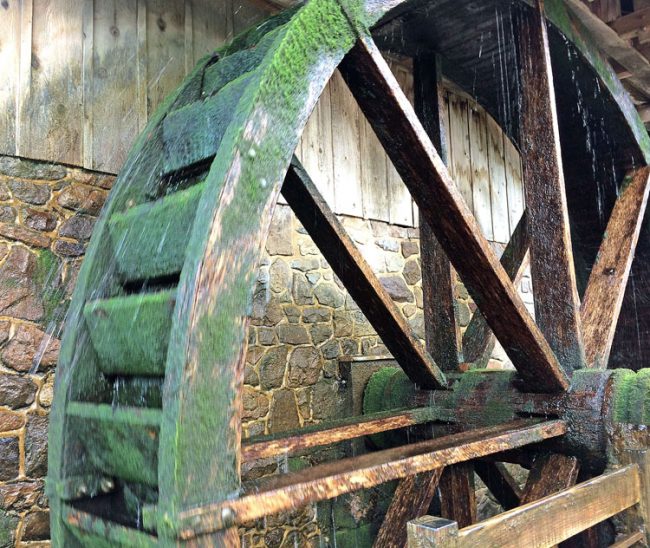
point(442, 207)
point(557, 304)
point(603, 297)
point(442, 331)
point(457, 494)
point(359, 279)
point(333, 432)
point(333, 479)
point(550, 473)
point(630, 25)
point(545, 522)
point(478, 340)
point(500, 482)
point(411, 500)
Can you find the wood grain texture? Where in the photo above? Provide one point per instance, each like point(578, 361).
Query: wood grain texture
point(481, 171)
point(498, 182)
point(330, 480)
point(500, 483)
point(550, 473)
point(603, 298)
point(557, 305)
point(10, 63)
point(478, 340)
point(555, 518)
point(457, 494)
point(411, 500)
point(355, 273)
point(425, 174)
point(442, 331)
point(333, 432)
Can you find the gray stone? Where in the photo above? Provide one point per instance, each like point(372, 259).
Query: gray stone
point(23, 234)
point(266, 336)
point(8, 214)
point(327, 399)
point(272, 367)
point(83, 199)
point(394, 262)
point(409, 248)
point(305, 264)
point(293, 334)
point(302, 291)
point(462, 291)
point(16, 167)
point(251, 377)
point(69, 249)
point(409, 310)
point(31, 348)
point(331, 350)
point(316, 314)
point(8, 525)
point(284, 413)
point(329, 295)
point(10, 420)
point(280, 276)
point(292, 313)
point(463, 314)
point(417, 325)
point(412, 272)
point(387, 244)
point(320, 333)
point(20, 294)
point(79, 227)
point(20, 495)
point(342, 324)
point(30, 193)
point(255, 405)
point(350, 347)
point(36, 446)
point(361, 324)
point(9, 458)
point(45, 221)
point(308, 247)
point(16, 391)
point(397, 289)
point(313, 277)
point(304, 367)
point(419, 297)
point(303, 399)
point(36, 526)
point(279, 241)
point(273, 314)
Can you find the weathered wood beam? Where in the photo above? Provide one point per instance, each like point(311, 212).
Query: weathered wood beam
point(411, 500)
point(457, 494)
point(548, 521)
point(628, 26)
point(624, 541)
point(551, 473)
point(603, 298)
point(557, 304)
point(500, 482)
point(442, 331)
point(441, 205)
point(359, 279)
point(333, 432)
point(478, 340)
point(333, 479)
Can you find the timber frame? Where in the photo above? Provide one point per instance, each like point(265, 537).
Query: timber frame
point(148, 394)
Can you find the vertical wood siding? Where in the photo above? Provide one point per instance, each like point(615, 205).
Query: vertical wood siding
point(80, 78)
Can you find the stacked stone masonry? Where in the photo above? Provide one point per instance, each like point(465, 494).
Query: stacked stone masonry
point(303, 322)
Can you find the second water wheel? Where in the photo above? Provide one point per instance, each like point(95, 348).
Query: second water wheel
point(145, 437)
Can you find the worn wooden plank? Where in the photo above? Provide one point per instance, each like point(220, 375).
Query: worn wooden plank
point(211, 23)
point(141, 63)
point(344, 476)
point(345, 149)
point(481, 196)
point(364, 287)
point(629, 453)
point(557, 305)
point(460, 147)
point(498, 182)
point(555, 518)
point(478, 339)
point(630, 25)
point(54, 86)
point(377, 200)
point(500, 483)
point(603, 298)
point(113, 91)
point(550, 474)
point(10, 61)
point(457, 494)
point(442, 331)
point(411, 500)
point(332, 432)
point(628, 540)
point(514, 184)
point(433, 190)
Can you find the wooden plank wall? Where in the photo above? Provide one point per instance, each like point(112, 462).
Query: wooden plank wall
point(81, 78)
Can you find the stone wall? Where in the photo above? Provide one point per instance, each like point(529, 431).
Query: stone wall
point(302, 323)
point(47, 214)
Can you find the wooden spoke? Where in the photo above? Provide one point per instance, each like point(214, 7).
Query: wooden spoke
point(550, 473)
point(411, 500)
point(332, 479)
point(557, 305)
point(606, 288)
point(442, 331)
point(443, 208)
point(359, 279)
point(333, 432)
point(478, 340)
point(457, 494)
point(500, 483)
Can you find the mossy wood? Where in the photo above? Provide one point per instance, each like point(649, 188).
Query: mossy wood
point(145, 437)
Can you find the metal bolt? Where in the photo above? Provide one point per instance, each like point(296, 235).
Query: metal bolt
point(227, 517)
point(107, 485)
point(82, 491)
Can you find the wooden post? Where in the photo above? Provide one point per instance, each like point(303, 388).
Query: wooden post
point(637, 517)
point(442, 332)
point(432, 532)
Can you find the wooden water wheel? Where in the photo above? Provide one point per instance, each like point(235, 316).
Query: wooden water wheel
point(145, 443)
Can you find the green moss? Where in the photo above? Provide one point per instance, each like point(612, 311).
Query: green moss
point(361, 537)
point(150, 239)
point(130, 334)
point(47, 280)
point(623, 385)
point(8, 524)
